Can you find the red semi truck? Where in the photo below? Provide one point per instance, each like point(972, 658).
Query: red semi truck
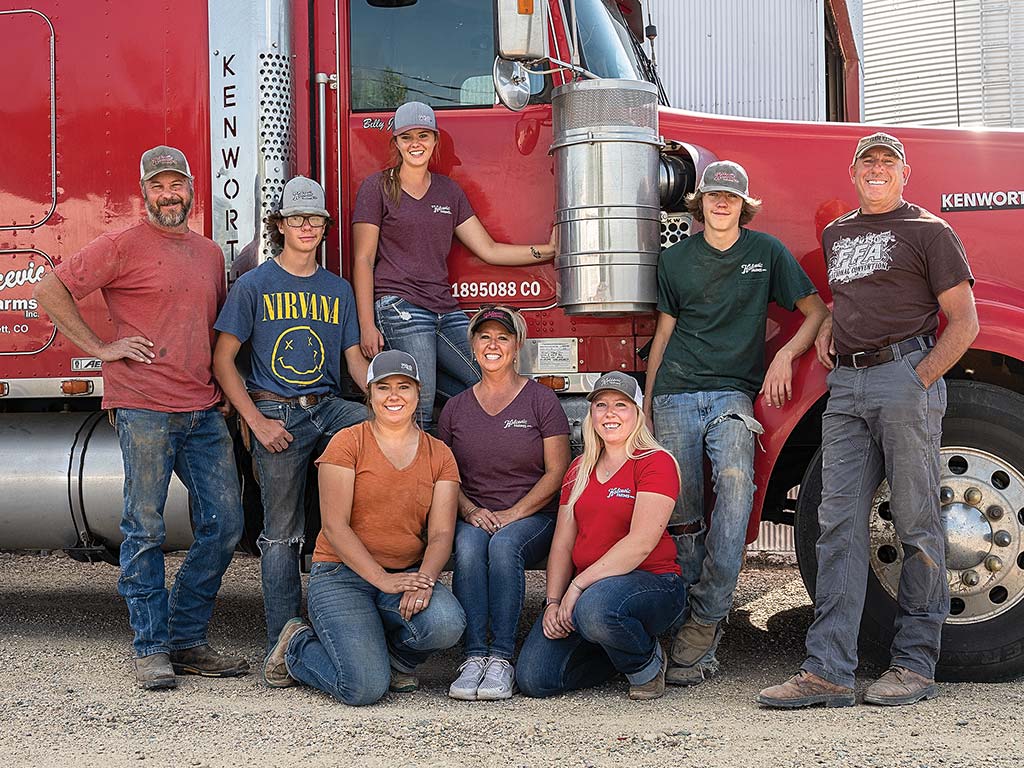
point(254, 92)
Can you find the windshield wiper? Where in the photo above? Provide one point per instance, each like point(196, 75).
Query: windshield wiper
point(647, 68)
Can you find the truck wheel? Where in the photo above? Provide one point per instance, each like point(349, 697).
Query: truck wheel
point(982, 494)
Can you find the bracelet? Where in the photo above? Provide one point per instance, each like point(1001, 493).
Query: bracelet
point(573, 583)
point(535, 253)
point(552, 601)
point(466, 516)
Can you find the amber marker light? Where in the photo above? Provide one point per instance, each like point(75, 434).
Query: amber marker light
point(557, 383)
point(76, 387)
point(4, 389)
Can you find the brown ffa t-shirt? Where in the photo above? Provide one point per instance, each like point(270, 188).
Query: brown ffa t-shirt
point(885, 271)
point(389, 505)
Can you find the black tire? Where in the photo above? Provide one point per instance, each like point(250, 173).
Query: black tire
point(982, 417)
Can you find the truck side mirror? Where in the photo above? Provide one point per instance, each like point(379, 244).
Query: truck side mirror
point(522, 29)
point(511, 83)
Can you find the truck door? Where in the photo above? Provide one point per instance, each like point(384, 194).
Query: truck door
point(442, 53)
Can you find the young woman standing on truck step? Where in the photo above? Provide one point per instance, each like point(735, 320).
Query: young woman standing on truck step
point(613, 582)
point(510, 438)
point(404, 218)
point(388, 493)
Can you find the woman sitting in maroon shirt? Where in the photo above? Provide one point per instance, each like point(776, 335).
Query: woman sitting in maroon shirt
point(613, 584)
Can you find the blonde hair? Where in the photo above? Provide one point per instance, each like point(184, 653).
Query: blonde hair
point(639, 444)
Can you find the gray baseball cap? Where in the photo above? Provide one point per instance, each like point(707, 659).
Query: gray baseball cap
point(160, 159)
point(880, 139)
point(725, 176)
point(414, 114)
point(620, 382)
point(392, 362)
point(302, 195)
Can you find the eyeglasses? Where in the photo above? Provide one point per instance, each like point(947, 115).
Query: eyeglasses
point(316, 222)
point(503, 307)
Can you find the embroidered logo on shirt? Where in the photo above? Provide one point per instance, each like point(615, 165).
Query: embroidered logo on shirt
point(445, 209)
point(620, 493)
point(748, 268)
point(855, 257)
point(516, 424)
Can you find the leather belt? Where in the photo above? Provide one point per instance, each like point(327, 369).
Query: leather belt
point(886, 354)
point(304, 401)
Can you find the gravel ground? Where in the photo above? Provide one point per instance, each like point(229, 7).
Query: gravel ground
point(68, 697)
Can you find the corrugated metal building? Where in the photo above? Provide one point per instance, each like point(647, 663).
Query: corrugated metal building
point(944, 62)
point(756, 58)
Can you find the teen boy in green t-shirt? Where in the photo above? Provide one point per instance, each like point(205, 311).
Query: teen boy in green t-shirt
point(705, 368)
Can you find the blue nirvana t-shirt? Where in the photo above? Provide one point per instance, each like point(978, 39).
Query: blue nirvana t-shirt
point(299, 327)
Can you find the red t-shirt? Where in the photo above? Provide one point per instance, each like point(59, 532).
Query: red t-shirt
point(167, 287)
point(604, 511)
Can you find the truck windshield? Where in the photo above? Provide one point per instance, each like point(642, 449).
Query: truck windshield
point(605, 43)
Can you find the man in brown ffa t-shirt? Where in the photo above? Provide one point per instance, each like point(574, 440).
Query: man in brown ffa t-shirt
point(891, 267)
point(163, 285)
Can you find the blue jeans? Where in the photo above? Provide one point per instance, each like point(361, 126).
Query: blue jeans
point(617, 620)
point(721, 423)
point(880, 422)
point(358, 635)
point(439, 343)
point(489, 579)
point(282, 478)
point(195, 446)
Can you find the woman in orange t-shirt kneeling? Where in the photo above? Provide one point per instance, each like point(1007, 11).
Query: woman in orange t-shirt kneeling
point(388, 496)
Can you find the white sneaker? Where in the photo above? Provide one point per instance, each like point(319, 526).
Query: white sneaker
point(499, 681)
point(470, 674)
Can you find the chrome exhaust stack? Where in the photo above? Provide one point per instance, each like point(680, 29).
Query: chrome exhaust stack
point(607, 162)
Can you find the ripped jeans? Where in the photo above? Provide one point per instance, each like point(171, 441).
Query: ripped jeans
point(722, 424)
point(282, 479)
point(439, 343)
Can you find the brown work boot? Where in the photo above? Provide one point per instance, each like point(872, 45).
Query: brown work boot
point(900, 686)
point(684, 676)
point(692, 641)
point(653, 688)
point(275, 670)
point(155, 671)
point(805, 689)
point(204, 660)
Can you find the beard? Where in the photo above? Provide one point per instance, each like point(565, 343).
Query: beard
point(169, 218)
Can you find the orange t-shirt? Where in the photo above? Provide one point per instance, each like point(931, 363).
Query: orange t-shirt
point(389, 506)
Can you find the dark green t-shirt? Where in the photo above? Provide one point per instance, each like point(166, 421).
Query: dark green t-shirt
point(720, 302)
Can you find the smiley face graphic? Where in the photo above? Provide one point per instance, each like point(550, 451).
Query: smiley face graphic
point(298, 356)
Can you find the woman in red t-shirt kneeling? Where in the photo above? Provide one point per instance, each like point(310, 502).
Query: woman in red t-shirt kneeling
point(613, 584)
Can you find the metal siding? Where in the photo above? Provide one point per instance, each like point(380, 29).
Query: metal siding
point(944, 62)
point(743, 57)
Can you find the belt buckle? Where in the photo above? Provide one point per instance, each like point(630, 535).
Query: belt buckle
point(306, 400)
point(854, 357)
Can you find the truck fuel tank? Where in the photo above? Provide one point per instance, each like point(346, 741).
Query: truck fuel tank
point(63, 484)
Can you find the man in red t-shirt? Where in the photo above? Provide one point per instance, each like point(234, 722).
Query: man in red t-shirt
point(163, 285)
point(891, 266)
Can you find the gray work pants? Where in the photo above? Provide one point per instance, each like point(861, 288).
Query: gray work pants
point(880, 421)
